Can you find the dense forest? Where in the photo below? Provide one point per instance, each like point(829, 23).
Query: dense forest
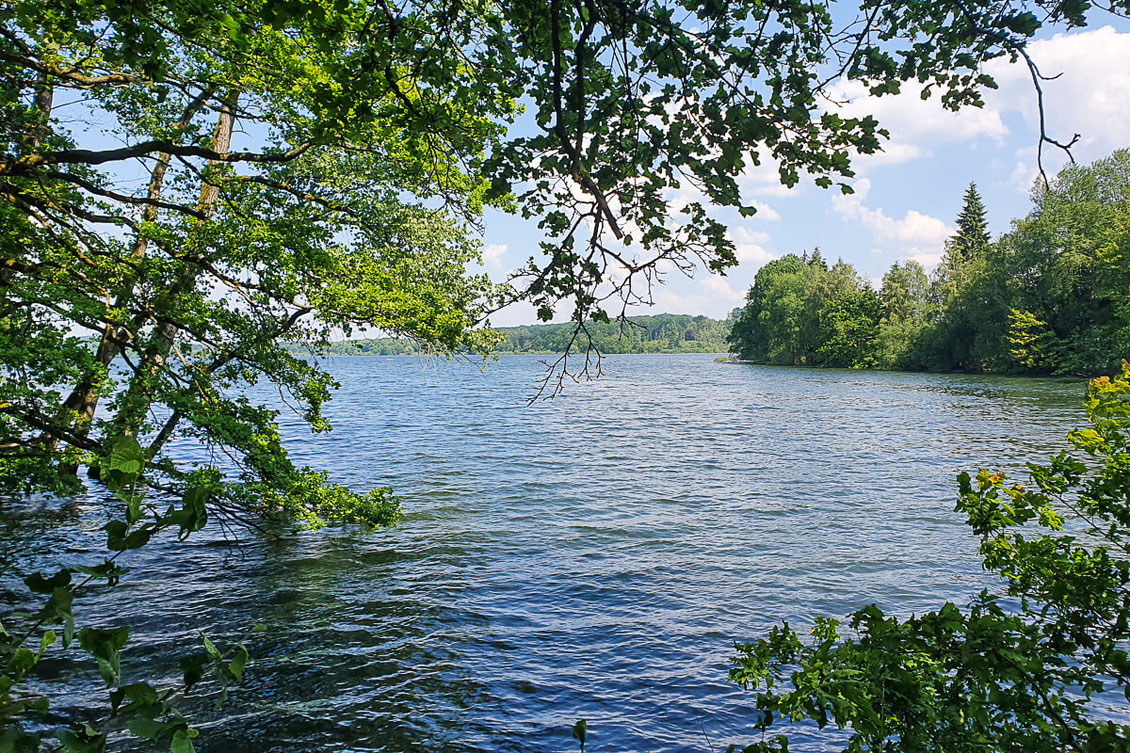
point(1047, 297)
point(662, 333)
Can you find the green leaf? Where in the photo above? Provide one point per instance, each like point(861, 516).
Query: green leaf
point(83, 739)
point(149, 729)
point(238, 663)
point(21, 662)
point(579, 731)
point(108, 571)
point(126, 455)
point(105, 646)
point(47, 640)
point(182, 741)
point(41, 584)
point(116, 534)
point(138, 693)
point(192, 668)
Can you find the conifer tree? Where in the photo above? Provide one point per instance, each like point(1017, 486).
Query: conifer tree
point(968, 244)
point(972, 228)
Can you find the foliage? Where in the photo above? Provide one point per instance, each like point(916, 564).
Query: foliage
point(147, 712)
point(1031, 345)
point(579, 732)
point(800, 311)
point(1065, 266)
point(661, 333)
point(909, 308)
point(851, 327)
point(1048, 297)
point(972, 238)
point(1027, 669)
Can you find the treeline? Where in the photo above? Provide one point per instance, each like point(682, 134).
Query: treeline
point(1051, 296)
point(662, 333)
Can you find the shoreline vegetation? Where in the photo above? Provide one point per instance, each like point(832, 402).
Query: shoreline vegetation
point(659, 333)
point(1046, 298)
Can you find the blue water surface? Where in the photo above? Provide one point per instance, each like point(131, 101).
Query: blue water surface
point(593, 556)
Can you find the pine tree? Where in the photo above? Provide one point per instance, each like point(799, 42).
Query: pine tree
point(972, 229)
point(968, 244)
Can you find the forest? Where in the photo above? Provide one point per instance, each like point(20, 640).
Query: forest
point(660, 333)
point(1047, 297)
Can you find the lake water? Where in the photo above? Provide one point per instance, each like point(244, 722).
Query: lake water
point(594, 556)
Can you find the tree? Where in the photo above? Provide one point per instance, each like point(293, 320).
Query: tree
point(972, 228)
point(1025, 668)
point(908, 310)
point(800, 311)
point(851, 326)
point(1066, 265)
point(1048, 296)
point(768, 329)
point(962, 293)
point(965, 249)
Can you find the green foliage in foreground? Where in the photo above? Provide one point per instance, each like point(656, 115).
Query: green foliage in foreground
point(148, 711)
point(662, 333)
point(1022, 670)
point(1050, 297)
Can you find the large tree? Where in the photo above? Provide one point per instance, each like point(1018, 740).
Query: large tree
point(800, 311)
point(972, 237)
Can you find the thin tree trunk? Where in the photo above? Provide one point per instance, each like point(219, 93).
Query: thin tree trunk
point(84, 398)
point(138, 397)
point(44, 100)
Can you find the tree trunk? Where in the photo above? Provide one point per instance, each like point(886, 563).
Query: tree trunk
point(139, 395)
point(84, 398)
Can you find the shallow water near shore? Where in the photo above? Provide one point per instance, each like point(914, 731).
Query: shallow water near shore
point(593, 556)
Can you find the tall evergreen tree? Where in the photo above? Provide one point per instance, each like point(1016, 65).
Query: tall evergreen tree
point(969, 244)
point(972, 228)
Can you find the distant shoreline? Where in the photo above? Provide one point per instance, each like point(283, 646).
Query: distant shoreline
point(659, 333)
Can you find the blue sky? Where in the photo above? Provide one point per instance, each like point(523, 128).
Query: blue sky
point(907, 197)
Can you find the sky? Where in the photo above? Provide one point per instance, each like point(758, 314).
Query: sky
point(907, 196)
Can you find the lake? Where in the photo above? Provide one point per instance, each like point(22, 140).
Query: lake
point(592, 556)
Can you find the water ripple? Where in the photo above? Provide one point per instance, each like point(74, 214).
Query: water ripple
point(594, 556)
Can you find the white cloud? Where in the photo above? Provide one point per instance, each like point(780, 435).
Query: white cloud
point(927, 259)
point(918, 236)
point(1025, 172)
point(893, 153)
point(719, 287)
point(765, 212)
point(713, 297)
point(911, 119)
point(764, 179)
point(749, 245)
point(493, 253)
point(914, 123)
point(1090, 96)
